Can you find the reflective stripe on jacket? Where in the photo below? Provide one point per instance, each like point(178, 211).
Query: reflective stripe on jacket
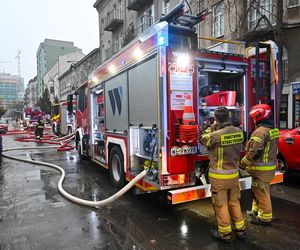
point(224, 147)
point(261, 153)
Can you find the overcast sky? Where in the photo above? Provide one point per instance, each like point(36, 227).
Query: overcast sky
point(24, 24)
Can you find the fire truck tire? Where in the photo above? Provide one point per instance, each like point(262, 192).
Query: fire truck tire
point(116, 167)
point(80, 154)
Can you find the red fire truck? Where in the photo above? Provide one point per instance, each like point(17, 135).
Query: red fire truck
point(129, 116)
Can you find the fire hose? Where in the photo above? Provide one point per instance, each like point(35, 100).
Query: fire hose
point(64, 193)
point(61, 141)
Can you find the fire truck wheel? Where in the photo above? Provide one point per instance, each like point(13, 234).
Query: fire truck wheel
point(80, 154)
point(116, 167)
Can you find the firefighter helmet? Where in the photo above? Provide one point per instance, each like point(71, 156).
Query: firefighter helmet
point(260, 112)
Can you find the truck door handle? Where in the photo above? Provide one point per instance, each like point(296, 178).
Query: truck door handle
point(289, 140)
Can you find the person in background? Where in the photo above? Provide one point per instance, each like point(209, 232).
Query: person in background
point(39, 129)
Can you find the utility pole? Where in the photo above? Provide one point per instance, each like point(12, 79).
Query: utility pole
point(278, 40)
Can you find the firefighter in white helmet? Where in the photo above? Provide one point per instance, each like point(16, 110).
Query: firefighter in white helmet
point(224, 142)
point(260, 162)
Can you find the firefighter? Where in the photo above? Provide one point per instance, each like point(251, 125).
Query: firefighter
point(224, 143)
point(39, 129)
point(260, 162)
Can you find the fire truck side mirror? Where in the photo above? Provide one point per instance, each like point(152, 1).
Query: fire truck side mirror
point(70, 103)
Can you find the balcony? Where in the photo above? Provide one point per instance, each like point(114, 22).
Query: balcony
point(112, 50)
point(138, 4)
point(113, 20)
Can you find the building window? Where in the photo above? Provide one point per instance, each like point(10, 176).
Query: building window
point(51, 89)
point(121, 39)
point(102, 25)
point(293, 3)
point(165, 6)
point(120, 9)
point(116, 44)
point(257, 10)
point(218, 20)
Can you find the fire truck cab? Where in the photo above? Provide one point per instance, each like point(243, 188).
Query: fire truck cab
point(130, 114)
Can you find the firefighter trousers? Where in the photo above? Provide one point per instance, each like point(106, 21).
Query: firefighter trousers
point(39, 133)
point(261, 204)
point(226, 203)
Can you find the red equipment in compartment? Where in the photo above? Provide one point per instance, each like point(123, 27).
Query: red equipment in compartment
point(223, 98)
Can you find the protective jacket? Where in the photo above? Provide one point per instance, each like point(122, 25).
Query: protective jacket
point(40, 124)
point(224, 145)
point(261, 153)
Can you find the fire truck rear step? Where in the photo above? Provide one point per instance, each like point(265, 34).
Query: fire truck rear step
point(199, 192)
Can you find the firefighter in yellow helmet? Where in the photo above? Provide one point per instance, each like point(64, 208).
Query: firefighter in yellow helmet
point(224, 142)
point(260, 162)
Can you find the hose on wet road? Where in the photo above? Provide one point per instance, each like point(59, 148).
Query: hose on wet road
point(64, 193)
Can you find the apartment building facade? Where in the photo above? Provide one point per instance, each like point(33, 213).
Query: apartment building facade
point(122, 20)
point(30, 97)
point(60, 66)
point(77, 74)
point(47, 54)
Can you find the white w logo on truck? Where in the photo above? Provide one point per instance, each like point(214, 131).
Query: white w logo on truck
point(115, 98)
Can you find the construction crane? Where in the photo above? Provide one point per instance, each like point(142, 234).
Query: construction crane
point(18, 57)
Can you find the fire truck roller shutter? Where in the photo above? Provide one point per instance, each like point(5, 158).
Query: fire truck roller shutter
point(143, 100)
point(116, 108)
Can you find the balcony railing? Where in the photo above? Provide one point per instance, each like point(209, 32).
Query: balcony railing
point(112, 50)
point(113, 20)
point(137, 4)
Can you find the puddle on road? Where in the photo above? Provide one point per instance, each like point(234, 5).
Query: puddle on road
point(99, 228)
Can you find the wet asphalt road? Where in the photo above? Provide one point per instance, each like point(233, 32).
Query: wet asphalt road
point(33, 215)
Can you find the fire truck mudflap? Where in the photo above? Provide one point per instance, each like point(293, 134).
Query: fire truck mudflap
point(199, 192)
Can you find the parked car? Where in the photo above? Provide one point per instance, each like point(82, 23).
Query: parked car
point(3, 126)
point(289, 151)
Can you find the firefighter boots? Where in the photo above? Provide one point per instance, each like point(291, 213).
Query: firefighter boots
point(226, 238)
point(251, 214)
point(256, 221)
point(240, 234)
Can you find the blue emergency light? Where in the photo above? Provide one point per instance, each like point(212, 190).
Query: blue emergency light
point(161, 40)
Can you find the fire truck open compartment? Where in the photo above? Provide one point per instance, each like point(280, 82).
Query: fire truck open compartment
point(221, 83)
